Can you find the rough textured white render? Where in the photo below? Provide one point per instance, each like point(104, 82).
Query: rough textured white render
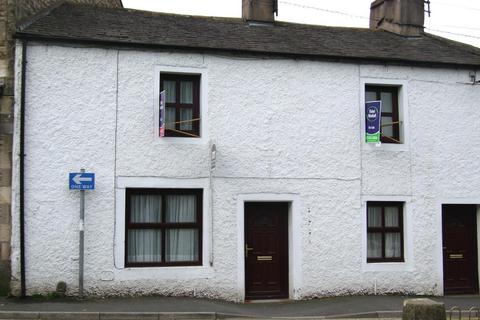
point(280, 126)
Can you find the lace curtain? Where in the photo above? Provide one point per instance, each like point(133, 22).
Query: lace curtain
point(393, 243)
point(186, 97)
point(181, 244)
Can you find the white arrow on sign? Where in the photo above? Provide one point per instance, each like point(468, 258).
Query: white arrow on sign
point(78, 179)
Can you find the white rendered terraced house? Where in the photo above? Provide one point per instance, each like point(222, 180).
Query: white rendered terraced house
point(262, 185)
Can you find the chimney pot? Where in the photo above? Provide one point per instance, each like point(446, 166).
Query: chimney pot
point(259, 10)
point(403, 17)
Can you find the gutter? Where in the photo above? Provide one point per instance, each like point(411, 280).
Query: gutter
point(22, 170)
point(255, 53)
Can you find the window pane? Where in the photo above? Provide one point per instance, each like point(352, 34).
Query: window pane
point(370, 96)
point(186, 114)
point(386, 98)
point(169, 87)
point(170, 118)
point(181, 245)
point(387, 130)
point(374, 245)
point(392, 245)
point(392, 217)
point(144, 245)
point(181, 208)
point(374, 216)
point(145, 208)
point(186, 92)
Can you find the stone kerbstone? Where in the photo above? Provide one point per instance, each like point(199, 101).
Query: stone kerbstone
point(423, 309)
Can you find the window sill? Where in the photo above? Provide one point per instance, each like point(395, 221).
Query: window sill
point(394, 147)
point(178, 140)
point(385, 261)
point(164, 273)
point(152, 265)
point(386, 266)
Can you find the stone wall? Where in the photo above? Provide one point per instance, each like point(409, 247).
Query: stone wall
point(11, 12)
point(26, 8)
point(7, 25)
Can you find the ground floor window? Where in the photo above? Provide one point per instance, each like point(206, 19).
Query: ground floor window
point(163, 227)
point(385, 232)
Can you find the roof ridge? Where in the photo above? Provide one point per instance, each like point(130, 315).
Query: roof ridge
point(455, 44)
point(133, 10)
point(26, 22)
point(221, 18)
point(106, 26)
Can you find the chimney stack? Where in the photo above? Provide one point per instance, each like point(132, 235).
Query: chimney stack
point(259, 10)
point(403, 17)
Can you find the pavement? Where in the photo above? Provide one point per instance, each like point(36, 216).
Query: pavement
point(194, 308)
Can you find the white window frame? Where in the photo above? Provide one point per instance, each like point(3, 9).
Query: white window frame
point(402, 113)
point(202, 72)
point(407, 264)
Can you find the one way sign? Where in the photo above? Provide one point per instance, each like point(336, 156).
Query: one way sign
point(81, 181)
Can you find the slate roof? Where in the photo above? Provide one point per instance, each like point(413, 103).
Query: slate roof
point(108, 26)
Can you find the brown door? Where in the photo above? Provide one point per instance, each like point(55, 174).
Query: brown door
point(460, 273)
point(266, 250)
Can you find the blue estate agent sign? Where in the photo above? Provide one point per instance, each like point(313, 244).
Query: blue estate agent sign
point(81, 181)
point(373, 112)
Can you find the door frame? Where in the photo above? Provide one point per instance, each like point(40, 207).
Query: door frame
point(294, 240)
point(440, 203)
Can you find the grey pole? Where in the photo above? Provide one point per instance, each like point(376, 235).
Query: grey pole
point(81, 249)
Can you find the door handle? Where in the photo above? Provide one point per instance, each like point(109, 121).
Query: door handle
point(247, 249)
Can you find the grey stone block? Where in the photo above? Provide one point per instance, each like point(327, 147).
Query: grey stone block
point(4, 279)
point(194, 316)
point(423, 309)
point(128, 316)
point(18, 315)
point(68, 315)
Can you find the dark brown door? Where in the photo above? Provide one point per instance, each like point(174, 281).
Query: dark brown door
point(460, 273)
point(266, 250)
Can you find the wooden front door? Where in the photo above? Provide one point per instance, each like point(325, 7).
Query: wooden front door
point(460, 272)
point(266, 250)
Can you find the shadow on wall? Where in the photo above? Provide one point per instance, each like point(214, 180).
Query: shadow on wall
point(4, 278)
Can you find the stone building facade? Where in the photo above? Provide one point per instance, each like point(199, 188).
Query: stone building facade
point(272, 192)
point(13, 12)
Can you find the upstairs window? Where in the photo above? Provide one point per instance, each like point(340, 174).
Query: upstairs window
point(390, 122)
point(182, 104)
point(385, 232)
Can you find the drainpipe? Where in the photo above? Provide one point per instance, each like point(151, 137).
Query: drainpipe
point(21, 169)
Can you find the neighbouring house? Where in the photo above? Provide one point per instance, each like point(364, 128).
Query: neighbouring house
point(13, 13)
point(230, 155)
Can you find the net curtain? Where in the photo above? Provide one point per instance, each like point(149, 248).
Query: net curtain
point(392, 239)
point(181, 244)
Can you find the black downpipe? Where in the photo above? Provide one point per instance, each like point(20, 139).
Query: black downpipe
point(21, 169)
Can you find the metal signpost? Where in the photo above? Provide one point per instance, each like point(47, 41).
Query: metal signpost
point(81, 181)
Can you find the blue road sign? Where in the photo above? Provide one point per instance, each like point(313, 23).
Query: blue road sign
point(81, 181)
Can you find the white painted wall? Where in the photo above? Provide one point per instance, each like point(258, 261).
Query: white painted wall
point(282, 127)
